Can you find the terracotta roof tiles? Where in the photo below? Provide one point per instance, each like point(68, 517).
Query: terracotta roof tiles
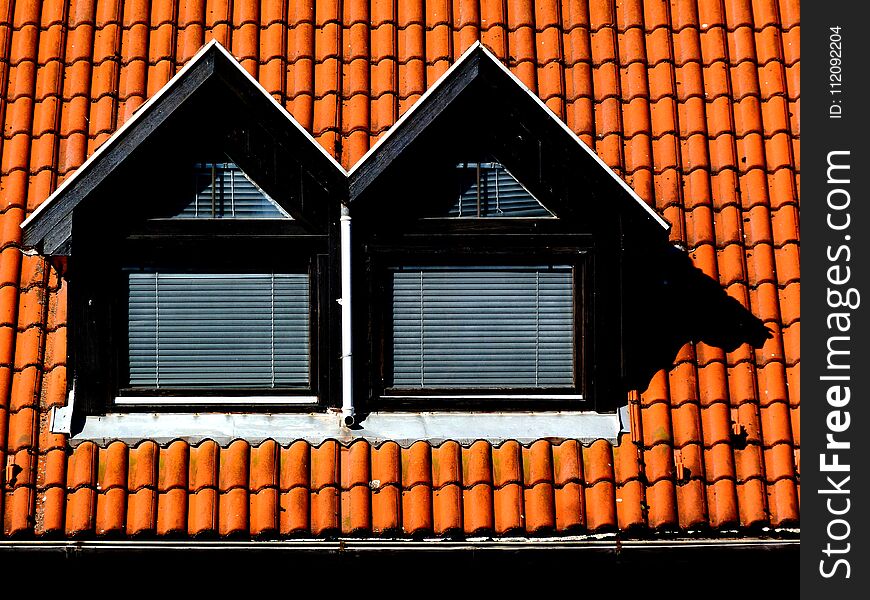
point(696, 104)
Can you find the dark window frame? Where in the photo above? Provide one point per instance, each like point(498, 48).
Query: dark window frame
point(447, 247)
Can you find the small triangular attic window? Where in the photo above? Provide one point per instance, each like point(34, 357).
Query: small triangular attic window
point(488, 190)
point(224, 191)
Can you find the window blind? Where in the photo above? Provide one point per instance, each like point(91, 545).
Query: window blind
point(500, 194)
point(482, 327)
point(223, 191)
point(207, 330)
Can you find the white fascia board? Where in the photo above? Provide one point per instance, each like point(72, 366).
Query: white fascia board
point(146, 108)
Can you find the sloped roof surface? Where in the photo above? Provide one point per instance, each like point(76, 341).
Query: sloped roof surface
point(695, 104)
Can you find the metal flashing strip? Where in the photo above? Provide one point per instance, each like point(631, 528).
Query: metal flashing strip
point(404, 428)
point(607, 544)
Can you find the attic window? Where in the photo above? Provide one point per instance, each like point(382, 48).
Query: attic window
point(488, 190)
point(223, 191)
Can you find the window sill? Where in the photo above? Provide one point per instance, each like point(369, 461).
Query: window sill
point(215, 400)
point(405, 428)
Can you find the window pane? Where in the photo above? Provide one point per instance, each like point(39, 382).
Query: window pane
point(482, 327)
point(223, 191)
point(488, 190)
point(218, 330)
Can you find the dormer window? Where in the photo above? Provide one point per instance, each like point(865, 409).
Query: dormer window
point(202, 320)
point(206, 287)
point(492, 243)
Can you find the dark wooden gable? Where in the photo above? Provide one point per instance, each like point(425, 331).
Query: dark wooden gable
point(212, 110)
point(480, 111)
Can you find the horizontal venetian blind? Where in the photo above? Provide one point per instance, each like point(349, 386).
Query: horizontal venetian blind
point(482, 327)
point(204, 330)
point(501, 195)
point(224, 191)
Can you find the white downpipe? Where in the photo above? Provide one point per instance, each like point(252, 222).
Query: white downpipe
point(347, 411)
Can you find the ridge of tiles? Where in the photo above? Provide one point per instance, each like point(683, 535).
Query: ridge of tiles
point(695, 104)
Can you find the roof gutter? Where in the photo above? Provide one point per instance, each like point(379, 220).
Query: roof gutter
point(611, 546)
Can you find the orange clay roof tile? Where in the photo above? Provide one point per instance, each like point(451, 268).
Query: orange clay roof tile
point(661, 498)
point(722, 504)
point(294, 511)
point(22, 429)
point(478, 510)
point(698, 103)
point(772, 383)
point(508, 509)
point(234, 464)
point(540, 509)
point(692, 505)
point(295, 464)
point(417, 515)
point(476, 464)
point(325, 465)
point(112, 487)
point(752, 503)
point(172, 512)
point(202, 516)
point(447, 510)
point(325, 507)
point(386, 494)
point(203, 462)
point(233, 515)
point(355, 465)
point(446, 464)
point(356, 510)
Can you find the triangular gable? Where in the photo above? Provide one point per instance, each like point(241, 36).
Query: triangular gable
point(306, 169)
point(497, 105)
